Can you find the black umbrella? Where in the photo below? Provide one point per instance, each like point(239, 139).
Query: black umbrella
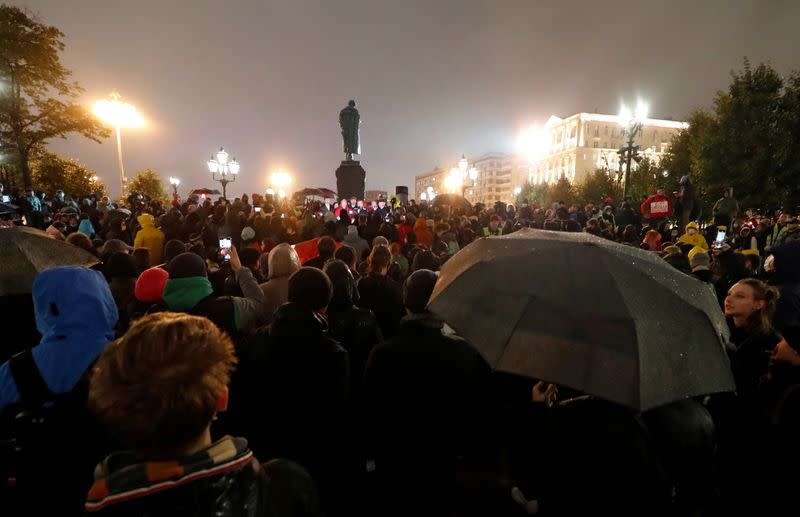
point(205, 191)
point(606, 319)
point(26, 252)
point(454, 201)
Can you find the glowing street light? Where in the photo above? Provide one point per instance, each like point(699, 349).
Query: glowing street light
point(632, 123)
point(281, 178)
point(174, 182)
point(222, 170)
point(423, 196)
point(118, 115)
point(534, 144)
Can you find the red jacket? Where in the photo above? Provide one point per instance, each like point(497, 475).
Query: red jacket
point(657, 207)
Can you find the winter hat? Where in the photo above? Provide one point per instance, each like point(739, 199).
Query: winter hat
point(309, 287)
point(187, 265)
point(116, 246)
point(248, 233)
point(150, 285)
point(418, 288)
point(694, 251)
point(172, 249)
point(700, 261)
point(121, 265)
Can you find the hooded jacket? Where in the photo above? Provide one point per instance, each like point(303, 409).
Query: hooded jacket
point(76, 315)
point(424, 236)
point(695, 240)
point(355, 241)
point(283, 261)
point(86, 228)
point(150, 237)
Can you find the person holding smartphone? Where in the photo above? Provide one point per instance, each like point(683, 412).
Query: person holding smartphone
point(189, 290)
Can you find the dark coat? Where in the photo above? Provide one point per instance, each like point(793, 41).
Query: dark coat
point(751, 359)
point(384, 297)
point(289, 395)
point(423, 394)
point(358, 332)
point(787, 278)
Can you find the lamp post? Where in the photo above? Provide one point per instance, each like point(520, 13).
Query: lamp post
point(174, 182)
point(632, 123)
point(118, 115)
point(222, 170)
point(534, 144)
point(465, 172)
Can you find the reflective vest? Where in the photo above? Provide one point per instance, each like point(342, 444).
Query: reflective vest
point(488, 233)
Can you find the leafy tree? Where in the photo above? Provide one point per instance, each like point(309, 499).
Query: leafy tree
point(52, 172)
point(37, 103)
point(561, 190)
point(535, 194)
point(749, 140)
point(148, 182)
point(596, 186)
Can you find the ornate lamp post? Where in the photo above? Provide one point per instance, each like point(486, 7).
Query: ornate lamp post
point(222, 170)
point(174, 182)
point(632, 123)
point(466, 173)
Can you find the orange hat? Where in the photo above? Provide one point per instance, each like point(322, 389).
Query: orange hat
point(150, 285)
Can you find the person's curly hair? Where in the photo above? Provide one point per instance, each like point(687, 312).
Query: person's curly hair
point(157, 387)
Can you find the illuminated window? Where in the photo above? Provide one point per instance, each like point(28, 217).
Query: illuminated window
point(596, 144)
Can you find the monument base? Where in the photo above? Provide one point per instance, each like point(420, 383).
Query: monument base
point(350, 178)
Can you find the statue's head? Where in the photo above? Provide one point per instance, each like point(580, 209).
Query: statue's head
point(352, 103)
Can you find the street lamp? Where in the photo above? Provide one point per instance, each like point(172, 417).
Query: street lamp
point(534, 144)
point(174, 182)
point(222, 170)
point(632, 123)
point(279, 180)
point(459, 176)
point(118, 115)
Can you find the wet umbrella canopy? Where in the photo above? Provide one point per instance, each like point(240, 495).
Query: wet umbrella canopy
point(205, 191)
point(607, 319)
point(25, 252)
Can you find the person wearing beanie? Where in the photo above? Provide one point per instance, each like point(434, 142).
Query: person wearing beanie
point(150, 237)
point(424, 394)
point(172, 249)
point(298, 375)
point(700, 263)
point(352, 239)
point(148, 292)
point(189, 290)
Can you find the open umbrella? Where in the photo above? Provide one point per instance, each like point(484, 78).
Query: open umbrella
point(206, 191)
point(606, 319)
point(26, 252)
point(454, 201)
point(326, 192)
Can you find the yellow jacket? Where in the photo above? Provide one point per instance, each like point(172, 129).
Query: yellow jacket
point(151, 238)
point(695, 240)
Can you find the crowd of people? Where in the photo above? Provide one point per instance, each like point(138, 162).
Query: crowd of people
point(253, 357)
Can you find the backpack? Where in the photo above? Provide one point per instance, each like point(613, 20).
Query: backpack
point(47, 446)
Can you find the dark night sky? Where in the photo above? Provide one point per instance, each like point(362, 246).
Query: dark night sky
point(432, 78)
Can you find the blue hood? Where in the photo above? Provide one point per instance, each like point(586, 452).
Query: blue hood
point(76, 315)
point(86, 228)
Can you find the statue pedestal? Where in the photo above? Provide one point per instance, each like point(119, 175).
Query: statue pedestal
point(350, 180)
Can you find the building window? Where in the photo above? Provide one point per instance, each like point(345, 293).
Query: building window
point(595, 144)
point(606, 129)
point(597, 131)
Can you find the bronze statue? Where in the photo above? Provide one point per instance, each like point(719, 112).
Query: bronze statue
point(349, 120)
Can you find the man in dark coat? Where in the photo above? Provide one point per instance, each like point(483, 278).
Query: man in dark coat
point(423, 401)
point(379, 293)
point(290, 393)
point(787, 279)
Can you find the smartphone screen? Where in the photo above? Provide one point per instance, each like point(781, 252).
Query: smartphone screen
point(720, 240)
point(225, 248)
point(258, 209)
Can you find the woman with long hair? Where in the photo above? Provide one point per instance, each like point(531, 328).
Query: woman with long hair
point(750, 305)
